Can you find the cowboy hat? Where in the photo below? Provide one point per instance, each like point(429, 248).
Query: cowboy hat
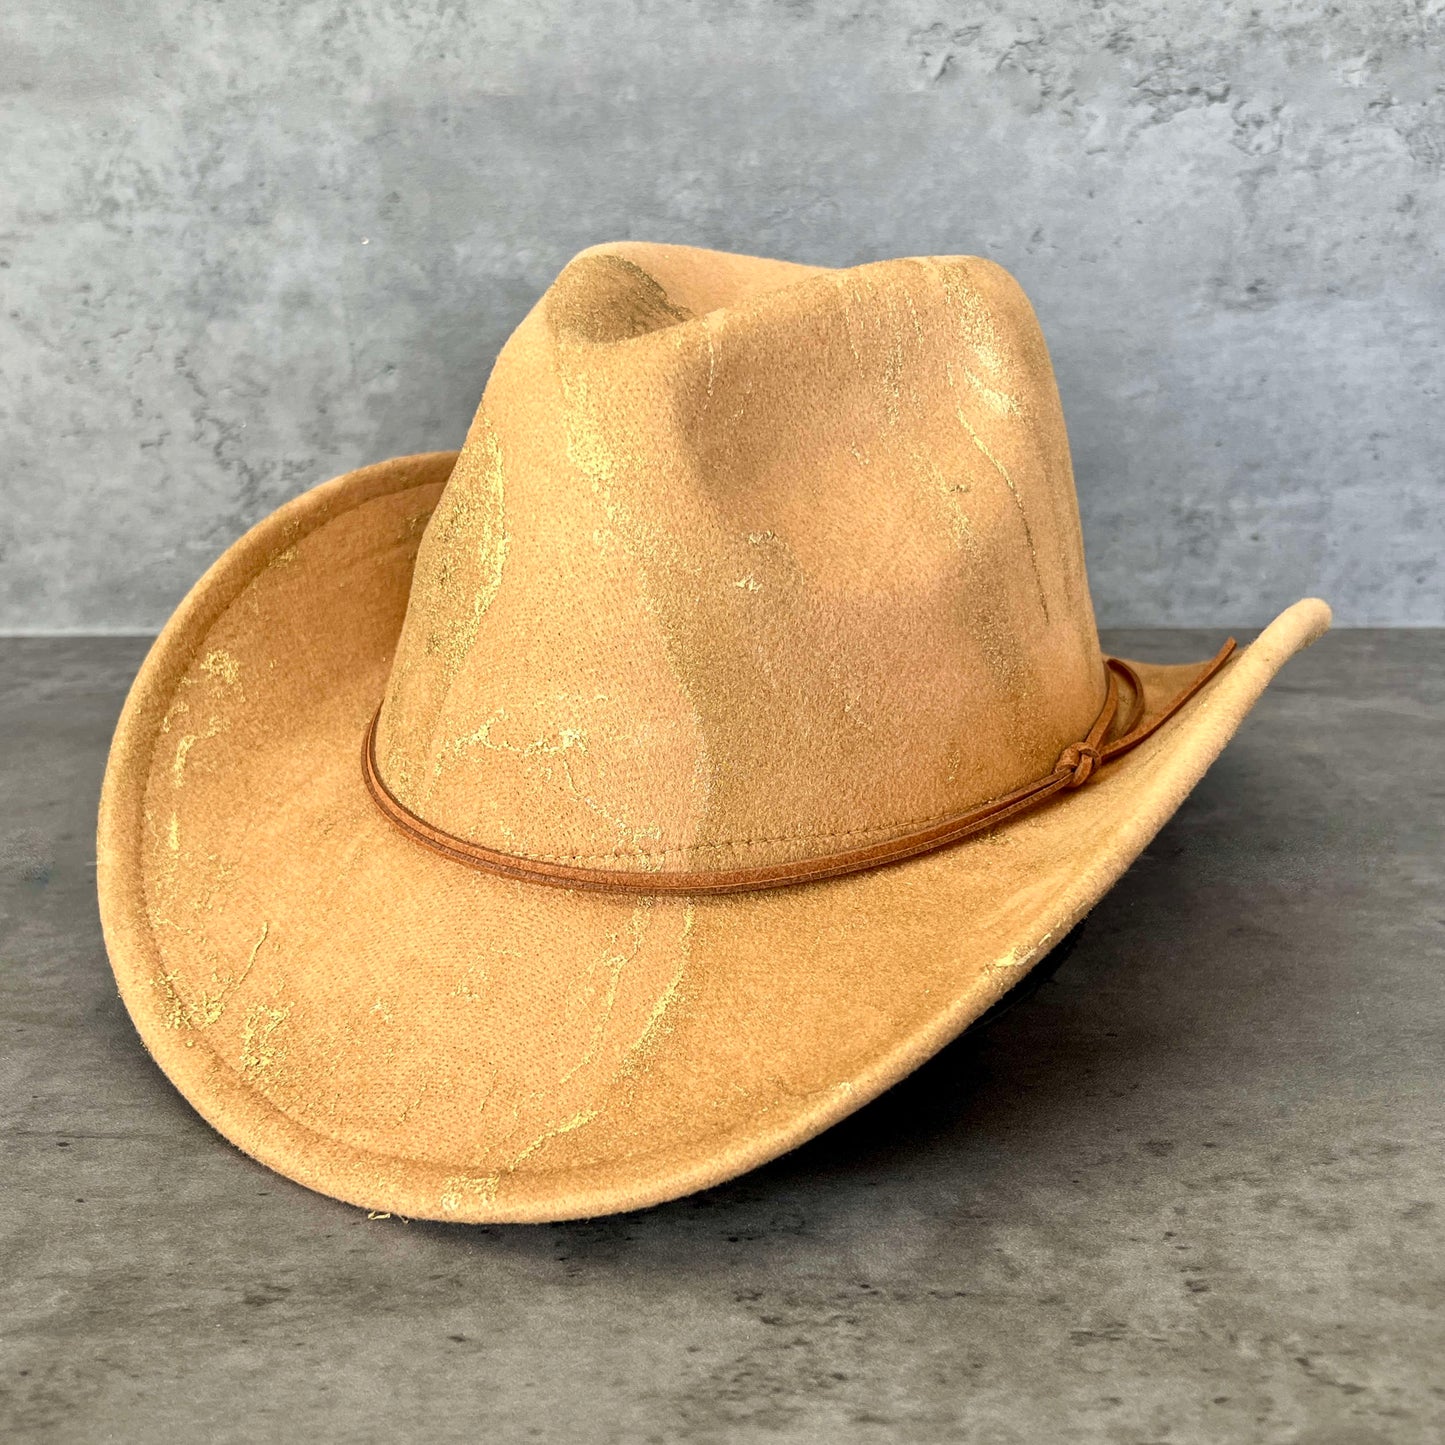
point(581, 819)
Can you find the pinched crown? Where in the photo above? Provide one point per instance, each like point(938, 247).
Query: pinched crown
point(746, 561)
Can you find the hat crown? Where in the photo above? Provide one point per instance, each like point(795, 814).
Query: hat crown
point(743, 562)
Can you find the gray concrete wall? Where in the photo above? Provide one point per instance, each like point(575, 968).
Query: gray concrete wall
point(246, 246)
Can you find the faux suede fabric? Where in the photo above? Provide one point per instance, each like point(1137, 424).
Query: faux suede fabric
point(744, 563)
point(409, 1034)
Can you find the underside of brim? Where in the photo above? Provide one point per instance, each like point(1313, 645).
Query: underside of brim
point(409, 1034)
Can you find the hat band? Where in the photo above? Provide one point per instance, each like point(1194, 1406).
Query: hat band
point(1075, 766)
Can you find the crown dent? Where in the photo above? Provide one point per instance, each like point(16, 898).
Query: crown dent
point(742, 557)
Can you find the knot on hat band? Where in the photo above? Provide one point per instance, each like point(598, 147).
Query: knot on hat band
point(1079, 760)
point(1076, 764)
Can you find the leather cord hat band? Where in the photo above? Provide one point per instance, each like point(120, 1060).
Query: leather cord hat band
point(1075, 766)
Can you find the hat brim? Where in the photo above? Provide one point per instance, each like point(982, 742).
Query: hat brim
point(408, 1034)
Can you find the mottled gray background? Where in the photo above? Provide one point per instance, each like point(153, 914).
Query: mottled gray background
point(246, 246)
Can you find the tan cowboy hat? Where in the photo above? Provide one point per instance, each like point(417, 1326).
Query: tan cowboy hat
point(584, 818)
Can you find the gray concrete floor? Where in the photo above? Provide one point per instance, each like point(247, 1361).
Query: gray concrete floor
point(1191, 1191)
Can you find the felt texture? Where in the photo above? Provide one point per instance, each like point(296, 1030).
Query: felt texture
point(743, 563)
point(410, 1034)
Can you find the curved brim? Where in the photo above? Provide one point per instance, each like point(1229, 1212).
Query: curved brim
point(408, 1034)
